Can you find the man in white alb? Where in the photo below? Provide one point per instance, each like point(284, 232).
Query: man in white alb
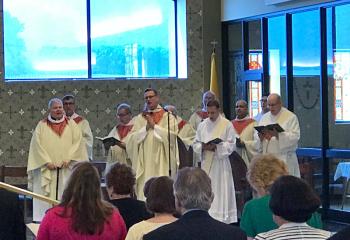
point(284, 144)
point(55, 146)
point(216, 163)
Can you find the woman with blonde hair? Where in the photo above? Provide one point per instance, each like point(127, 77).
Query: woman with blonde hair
point(257, 216)
point(82, 214)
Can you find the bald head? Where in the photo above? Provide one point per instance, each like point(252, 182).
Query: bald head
point(208, 96)
point(241, 109)
point(274, 103)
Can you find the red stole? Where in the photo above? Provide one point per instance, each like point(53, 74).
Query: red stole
point(241, 125)
point(78, 119)
point(181, 124)
point(123, 130)
point(58, 128)
point(202, 115)
point(157, 116)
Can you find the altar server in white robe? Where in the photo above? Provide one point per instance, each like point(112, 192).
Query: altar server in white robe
point(149, 143)
point(55, 146)
point(284, 144)
point(216, 163)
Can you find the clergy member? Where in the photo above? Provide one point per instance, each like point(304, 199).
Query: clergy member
point(69, 108)
point(264, 108)
point(284, 144)
point(150, 140)
point(244, 127)
point(201, 114)
point(216, 163)
point(56, 144)
point(117, 153)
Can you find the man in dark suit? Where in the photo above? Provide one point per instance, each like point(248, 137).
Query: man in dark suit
point(12, 222)
point(193, 197)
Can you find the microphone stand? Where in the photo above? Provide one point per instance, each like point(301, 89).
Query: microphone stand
point(57, 181)
point(169, 143)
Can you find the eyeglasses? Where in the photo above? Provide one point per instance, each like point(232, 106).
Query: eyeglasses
point(149, 97)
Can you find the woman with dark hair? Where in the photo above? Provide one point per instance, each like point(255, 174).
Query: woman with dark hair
point(160, 200)
point(120, 187)
point(292, 203)
point(257, 216)
point(82, 214)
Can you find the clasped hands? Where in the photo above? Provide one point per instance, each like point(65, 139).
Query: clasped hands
point(150, 121)
point(209, 147)
point(268, 134)
point(52, 166)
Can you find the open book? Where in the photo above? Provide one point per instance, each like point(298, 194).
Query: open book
point(271, 127)
point(214, 141)
point(109, 141)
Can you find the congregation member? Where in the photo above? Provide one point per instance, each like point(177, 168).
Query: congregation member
point(120, 181)
point(69, 107)
point(215, 161)
point(149, 143)
point(12, 221)
point(257, 216)
point(161, 202)
point(282, 144)
point(342, 234)
point(292, 203)
point(193, 198)
point(82, 214)
point(121, 132)
point(55, 146)
point(244, 127)
point(264, 108)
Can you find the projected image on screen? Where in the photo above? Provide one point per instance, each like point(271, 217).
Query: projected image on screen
point(129, 39)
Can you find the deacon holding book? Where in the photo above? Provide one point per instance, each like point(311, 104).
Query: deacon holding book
point(282, 144)
point(56, 144)
point(244, 127)
point(215, 161)
point(69, 108)
point(152, 146)
point(121, 132)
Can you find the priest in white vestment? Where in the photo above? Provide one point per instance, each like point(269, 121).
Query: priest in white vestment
point(121, 131)
point(216, 163)
point(244, 127)
point(264, 108)
point(69, 108)
point(150, 140)
point(55, 145)
point(284, 144)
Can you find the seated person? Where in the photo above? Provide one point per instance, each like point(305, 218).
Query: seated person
point(160, 200)
point(120, 181)
point(12, 222)
point(82, 214)
point(292, 203)
point(257, 216)
point(193, 198)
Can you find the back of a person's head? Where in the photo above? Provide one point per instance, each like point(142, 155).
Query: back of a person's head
point(82, 196)
point(192, 189)
point(121, 179)
point(160, 195)
point(264, 170)
point(293, 199)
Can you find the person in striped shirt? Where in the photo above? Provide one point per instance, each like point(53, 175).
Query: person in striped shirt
point(292, 202)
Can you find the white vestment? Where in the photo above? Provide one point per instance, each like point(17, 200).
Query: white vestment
point(47, 146)
point(217, 165)
point(186, 132)
point(149, 149)
point(247, 136)
point(116, 153)
point(285, 145)
point(86, 133)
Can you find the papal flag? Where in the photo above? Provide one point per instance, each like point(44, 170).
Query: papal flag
point(214, 84)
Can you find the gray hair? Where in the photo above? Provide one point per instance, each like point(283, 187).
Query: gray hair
point(124, 106)
point(192, 189)
point(54, 100)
